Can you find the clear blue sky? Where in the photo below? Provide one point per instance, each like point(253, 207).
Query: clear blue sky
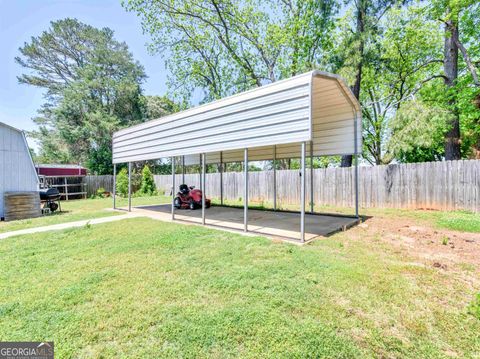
point(22, 19)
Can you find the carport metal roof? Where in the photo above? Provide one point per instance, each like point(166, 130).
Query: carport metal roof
point(316, 107)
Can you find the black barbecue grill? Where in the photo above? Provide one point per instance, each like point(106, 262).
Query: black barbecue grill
point(50, 198)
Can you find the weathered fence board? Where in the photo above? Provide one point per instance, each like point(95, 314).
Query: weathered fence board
point(96, 182)
point(444, 185)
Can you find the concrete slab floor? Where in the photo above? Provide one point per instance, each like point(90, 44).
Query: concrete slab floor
point(282, 225)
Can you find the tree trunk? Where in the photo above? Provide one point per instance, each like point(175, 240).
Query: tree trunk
point(450, 67)
point(347, 160)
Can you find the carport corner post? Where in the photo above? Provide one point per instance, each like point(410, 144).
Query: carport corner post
point(183, 169)
point(245, 191)
point(221, 178)
point(203, 187)
point(355, 126)
point(173, 188)
point(302, 194)
point(129, 186)
point(274, 177)
point(114, 189)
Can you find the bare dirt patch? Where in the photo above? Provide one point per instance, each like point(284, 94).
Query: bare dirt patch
point(438, 248)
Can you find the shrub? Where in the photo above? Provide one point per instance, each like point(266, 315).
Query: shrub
point(147, 186)
point(122, 182)
point(101, 192)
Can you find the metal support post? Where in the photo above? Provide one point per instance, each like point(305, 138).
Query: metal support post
point(311, 177)
point(129, 186)
point(274, 178)
point(302, 194)
point(203, 188)
point(183, 169)
point(245, 191)
point(114, 189)
point(355, 142)
point(173, 188)
point(200, 170)
point(221, 178)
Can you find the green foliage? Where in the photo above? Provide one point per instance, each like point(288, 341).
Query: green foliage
point(99, 160)
point(101, 192)
point(147, 186)
point(159, 106)
point(403, 61)
point(228, 47)
point(136, 183)
point(294, 163)
point(163, 167)
point(238, 167)
point(474, 307)
point(122, 182)
point(93, 88)
point(460, 221)
point(391, 52)
point(417, 132)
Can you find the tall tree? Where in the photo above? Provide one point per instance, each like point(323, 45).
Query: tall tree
point(408, 55)
point(230, 46)
point(93, 87)
point(389, 52)
point(451, 15)
point(364, 32)
point(461, 86)
point(450, 68)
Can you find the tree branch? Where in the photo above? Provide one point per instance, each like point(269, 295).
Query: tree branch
point(468, 61)
point(419, 87)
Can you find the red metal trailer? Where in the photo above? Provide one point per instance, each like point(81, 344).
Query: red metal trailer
point(68, 179)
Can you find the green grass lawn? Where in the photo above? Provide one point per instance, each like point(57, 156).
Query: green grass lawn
point(143, 288)
point(77, 210)
point(462, 221)
point(95, 208)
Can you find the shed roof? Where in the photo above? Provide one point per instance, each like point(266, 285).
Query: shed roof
point(60, 170)
point(315, 107)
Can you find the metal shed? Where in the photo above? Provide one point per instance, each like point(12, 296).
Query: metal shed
point(313, 114)
point(17, 172)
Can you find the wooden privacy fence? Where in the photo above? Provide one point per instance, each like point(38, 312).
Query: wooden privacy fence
point(444, 185)
point(93, 183)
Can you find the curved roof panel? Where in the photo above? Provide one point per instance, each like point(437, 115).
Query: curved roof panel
point(315, 107)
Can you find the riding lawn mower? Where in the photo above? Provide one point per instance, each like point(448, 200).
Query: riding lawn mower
point(189, 198)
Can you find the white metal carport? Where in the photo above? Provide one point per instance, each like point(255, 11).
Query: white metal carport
point(314, 113)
